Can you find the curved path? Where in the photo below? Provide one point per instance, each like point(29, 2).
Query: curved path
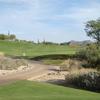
point(36, 70)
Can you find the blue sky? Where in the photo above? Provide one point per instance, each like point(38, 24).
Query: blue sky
point(52, 20)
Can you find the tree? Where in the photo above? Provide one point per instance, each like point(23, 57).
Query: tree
point(2, 37)
point(12, 37)
point(7, 37)
point(93, 30)
point(91, 53)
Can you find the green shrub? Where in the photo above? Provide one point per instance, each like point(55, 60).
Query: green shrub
point(87, 80)
point(91, 54)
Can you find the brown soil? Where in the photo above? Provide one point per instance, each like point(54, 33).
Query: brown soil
point(36, 70)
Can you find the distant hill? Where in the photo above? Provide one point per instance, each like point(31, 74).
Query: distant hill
point(72, 42)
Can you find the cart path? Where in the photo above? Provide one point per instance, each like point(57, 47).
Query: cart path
point(37, 70)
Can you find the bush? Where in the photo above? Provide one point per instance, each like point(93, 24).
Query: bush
point(10, 64)
point(70, 64)
point(91, 54)
point(86, 79)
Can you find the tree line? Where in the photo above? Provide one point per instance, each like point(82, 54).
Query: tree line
point(7, 37)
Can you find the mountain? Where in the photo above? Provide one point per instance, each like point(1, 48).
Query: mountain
point(73, 42)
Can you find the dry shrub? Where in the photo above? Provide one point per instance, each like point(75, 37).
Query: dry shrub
point(84, 78)
point(10, 64)
point(70, 64)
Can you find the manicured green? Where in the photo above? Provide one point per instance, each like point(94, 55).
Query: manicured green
point(16, 48)
point(26, 90)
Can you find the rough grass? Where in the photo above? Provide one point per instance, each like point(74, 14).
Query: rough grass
point(25, 90)
point(15, 48)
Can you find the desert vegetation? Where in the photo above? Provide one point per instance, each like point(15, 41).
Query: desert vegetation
point(88, 78)
point(85, 79)
point(77, 64)
point(49, 49)
point(7, 63)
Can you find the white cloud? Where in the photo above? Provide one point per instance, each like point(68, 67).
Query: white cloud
point(35, 16)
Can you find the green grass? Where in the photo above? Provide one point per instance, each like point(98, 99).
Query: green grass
point(32, 50)
point(25, 90)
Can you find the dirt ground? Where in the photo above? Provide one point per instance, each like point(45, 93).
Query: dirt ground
point(51, 77)
point(34, 72)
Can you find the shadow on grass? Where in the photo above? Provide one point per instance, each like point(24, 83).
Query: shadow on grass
point(53, 57)
point(46, 57)
point(62, 82)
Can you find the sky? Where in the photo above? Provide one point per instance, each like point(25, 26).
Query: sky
point(52, 20)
